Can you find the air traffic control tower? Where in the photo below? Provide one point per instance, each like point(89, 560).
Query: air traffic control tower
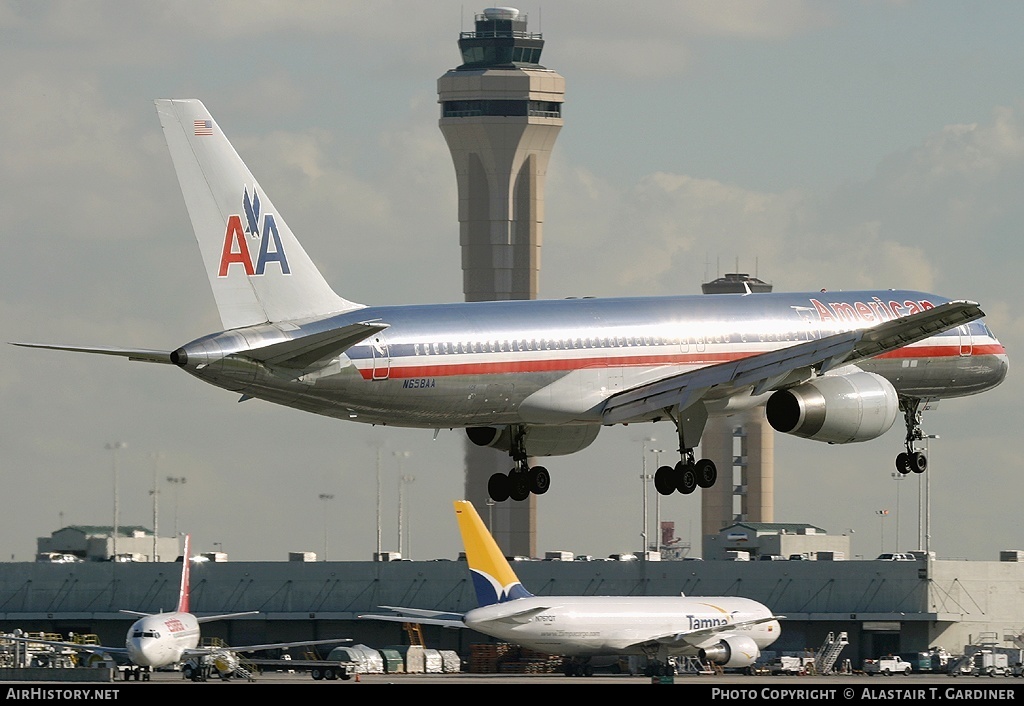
point(741, 445)
point(500, 114)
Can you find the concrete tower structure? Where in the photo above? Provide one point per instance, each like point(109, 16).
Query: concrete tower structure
point(500, 114)
point(742, 447)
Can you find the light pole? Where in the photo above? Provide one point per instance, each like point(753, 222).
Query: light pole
point(176, 481)
point(643, 481)
point(156, 456)
point(402, 482)
point(657, 504)
point(378, 504)
point(928, 499)
point(898, 477)
point(401, 456)
point(881, 516)
point(114, 447)
point(325, 497)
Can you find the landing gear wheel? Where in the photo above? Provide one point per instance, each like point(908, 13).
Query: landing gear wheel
point(918, 462)
point(903, 462)
point(540, 480)
point(706, 473)
point(499, 487)
point(665, 480)
point(687, 478)
point(519, 483)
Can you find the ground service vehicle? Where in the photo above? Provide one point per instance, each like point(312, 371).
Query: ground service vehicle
point(888, 666)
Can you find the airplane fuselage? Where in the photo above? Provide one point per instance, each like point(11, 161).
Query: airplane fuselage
point(554, 362)
point(600, 625)
point(161, 640)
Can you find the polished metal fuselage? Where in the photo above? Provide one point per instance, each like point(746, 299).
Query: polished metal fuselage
point(558, 361)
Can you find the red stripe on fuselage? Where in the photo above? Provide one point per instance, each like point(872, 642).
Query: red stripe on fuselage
point(691, 360)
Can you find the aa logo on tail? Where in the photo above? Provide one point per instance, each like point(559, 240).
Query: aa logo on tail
point(236, 249)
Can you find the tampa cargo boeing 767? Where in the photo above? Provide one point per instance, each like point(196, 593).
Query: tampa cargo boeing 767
point(729, 631)
point(541, 377)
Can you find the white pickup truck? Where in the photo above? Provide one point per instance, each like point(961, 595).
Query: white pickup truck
point(887, 666)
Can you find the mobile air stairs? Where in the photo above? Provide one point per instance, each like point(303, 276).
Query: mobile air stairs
point(826, 657)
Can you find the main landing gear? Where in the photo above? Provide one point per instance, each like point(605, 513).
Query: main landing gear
point(577, 667)
point(522, 479)
point(912, 460)
point(687, 475)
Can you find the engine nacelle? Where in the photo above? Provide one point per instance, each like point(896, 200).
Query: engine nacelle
point(539, 441)
point(733, 651)
point(836, 408)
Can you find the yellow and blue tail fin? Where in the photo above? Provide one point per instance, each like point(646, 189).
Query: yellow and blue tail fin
point(493, 577)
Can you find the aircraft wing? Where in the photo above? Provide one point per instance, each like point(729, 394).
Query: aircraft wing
point(222, 616)
point(142, 354)
point(101, 649)
point(417, 615)
point(199, 651)
point(698, 637)
point(303, 352)
point(768, 371)
point(199, 619)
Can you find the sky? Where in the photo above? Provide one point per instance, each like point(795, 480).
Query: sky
point(814, 144)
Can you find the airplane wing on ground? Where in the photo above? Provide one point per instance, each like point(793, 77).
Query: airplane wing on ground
point(142, 354)
point(789, 365)
point(223, 616)
point(698, 637)
point(99, 649)
point(199, 619)
point(200, 651)
point(417, 615)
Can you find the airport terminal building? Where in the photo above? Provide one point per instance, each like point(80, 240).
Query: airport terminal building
point(883, 606)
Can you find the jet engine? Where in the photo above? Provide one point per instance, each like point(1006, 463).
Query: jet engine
point(538, 441)
point(732, 651)
point(836, 408)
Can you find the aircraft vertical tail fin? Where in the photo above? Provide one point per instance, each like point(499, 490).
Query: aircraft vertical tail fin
point(257, 268)
point(493, 577)
point(186, 564)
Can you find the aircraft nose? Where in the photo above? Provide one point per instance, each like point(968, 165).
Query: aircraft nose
point(143, 651)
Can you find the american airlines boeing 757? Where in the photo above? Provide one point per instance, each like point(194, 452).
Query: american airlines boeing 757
point(541, 377)
point(730, 631)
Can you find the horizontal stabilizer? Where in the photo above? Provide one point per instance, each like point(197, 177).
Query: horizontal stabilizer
point(522, 615)
point(304, 352)
point(143, 354)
